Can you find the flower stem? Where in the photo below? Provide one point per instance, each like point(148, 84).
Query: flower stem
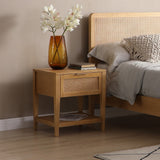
point(57, 46)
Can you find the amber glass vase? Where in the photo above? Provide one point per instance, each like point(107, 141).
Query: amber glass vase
point(57, 53)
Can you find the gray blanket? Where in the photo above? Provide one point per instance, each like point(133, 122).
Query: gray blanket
point(135, 77)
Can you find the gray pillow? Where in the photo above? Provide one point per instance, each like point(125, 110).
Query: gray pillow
point(111, 53)
point(143, 47)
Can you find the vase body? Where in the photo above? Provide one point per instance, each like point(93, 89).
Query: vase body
point(57, 53)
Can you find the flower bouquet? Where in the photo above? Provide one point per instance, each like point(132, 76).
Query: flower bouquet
point(52, 21)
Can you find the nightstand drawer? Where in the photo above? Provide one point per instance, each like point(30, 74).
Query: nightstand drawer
point(80, 84)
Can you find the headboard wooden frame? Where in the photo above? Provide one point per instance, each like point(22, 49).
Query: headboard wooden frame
point(113, 27)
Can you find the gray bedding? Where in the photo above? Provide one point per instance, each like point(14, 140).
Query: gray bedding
point(134, 77)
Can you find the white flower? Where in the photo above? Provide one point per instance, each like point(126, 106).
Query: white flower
point(45, 9)
point(70, 29)
point(51, 8)
point(73, 18)
point(51, 20)
point(44, 29)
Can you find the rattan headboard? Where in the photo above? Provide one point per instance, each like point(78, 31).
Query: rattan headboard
point(113, 27)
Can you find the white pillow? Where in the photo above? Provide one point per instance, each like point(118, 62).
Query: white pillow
point(111, 53)
point(143, 47)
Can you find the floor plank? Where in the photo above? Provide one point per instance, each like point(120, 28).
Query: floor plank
point(80, 143)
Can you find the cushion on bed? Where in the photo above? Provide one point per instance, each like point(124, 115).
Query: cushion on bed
point(111, 53)
point(143, 47)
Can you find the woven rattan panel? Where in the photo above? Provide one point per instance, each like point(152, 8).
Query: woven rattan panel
point(113, 27)
point(81, 84)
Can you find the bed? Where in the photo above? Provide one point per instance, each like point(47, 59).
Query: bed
point(113, 27)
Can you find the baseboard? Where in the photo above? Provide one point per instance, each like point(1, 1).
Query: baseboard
point(27, 122)
point(16, 123)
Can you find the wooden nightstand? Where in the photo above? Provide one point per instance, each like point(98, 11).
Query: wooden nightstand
point(69, 83)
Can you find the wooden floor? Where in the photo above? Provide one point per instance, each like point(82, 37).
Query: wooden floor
point(77, 143)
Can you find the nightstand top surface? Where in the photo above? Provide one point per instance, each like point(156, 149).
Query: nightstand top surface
point(68, 70)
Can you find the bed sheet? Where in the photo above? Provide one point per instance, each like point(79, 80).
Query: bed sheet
point(132, 78)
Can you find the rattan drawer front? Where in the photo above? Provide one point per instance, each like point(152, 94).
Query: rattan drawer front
point(80, 84)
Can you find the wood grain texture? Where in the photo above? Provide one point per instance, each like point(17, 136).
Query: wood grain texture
point(102, 101)
point(44, 83)
point(56, 107)
point(35, 101)
point(80, 143)
point(143, 104)
point(68, 83)
point(113, 27)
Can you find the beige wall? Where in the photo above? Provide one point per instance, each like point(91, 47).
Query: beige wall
point(24, 47)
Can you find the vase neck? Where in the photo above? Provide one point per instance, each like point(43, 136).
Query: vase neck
point(58, 36)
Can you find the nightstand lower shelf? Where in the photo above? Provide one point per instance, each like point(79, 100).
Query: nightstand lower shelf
point(49, 120)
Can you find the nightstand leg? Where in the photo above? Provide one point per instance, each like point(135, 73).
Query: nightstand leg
point(35, 102)
point(56, 115)
point(103, 101)
point(102, 112)
point(35, 110)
